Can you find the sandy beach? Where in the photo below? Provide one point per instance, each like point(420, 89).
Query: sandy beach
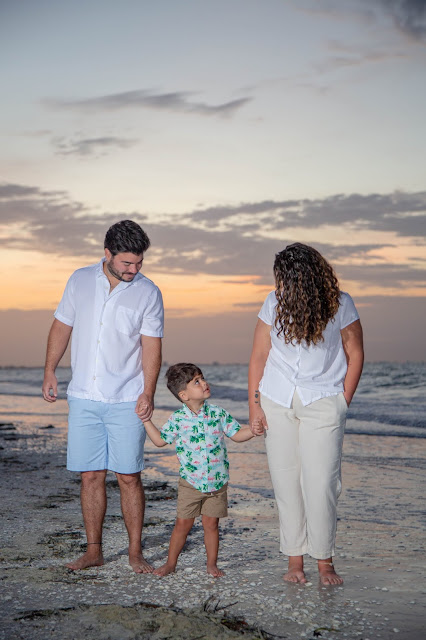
point(380, 549)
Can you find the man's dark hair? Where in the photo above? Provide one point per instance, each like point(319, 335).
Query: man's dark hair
point(126, 237)
point(178, 376)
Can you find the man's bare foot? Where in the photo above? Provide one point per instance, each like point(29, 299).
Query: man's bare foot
point(295, 571)
point(88, 559)
point(327, 574)
point(214, 571)
point(139, 564)
point(164, 570)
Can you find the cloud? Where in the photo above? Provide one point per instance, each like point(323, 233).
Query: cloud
point(224, 241)
point(409, 16)
point(91, 146)
point(400, 212)
point(179, 102)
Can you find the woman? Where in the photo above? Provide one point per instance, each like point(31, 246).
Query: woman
point(304, 369)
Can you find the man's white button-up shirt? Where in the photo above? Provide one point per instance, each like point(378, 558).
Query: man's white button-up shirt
point(314, 371)
point(106, 352)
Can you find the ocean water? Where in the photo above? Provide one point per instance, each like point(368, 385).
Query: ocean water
point(390, 400)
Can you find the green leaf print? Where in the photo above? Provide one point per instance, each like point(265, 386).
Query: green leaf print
point(190, 467)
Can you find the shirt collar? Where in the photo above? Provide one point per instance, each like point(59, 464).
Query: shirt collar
point(190, 414)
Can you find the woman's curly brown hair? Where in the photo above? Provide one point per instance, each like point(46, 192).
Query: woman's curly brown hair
point(307, 293)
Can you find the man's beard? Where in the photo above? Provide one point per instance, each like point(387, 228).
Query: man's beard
point(117, 274)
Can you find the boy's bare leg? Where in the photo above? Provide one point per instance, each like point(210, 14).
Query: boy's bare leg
point(133, 508)
point(211, 541)
point(93, 506)
point(295, 571)
point(178, 538)
point(327, 574)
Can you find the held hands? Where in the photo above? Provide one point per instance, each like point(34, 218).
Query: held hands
point(144, 407)
point(257, 422)
point(257, 428)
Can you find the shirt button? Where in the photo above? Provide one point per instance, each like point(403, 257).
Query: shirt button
point(94, 377)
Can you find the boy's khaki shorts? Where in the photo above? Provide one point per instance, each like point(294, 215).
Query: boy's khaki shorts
point(192, 503)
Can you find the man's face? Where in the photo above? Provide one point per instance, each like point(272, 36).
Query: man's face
point(123, 266)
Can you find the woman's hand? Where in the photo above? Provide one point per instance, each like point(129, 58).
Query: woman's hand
point(257, 421)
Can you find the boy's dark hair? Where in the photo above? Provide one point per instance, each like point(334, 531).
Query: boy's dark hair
point(178, 376)
point(126, 237)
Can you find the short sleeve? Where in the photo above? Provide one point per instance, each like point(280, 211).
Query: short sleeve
point(347, 310)
point(267, 312)
point(229, 425)
point(169, 431)
point(65, 311)
point(153, 316)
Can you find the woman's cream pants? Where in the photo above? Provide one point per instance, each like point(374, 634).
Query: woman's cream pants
point(304, 449)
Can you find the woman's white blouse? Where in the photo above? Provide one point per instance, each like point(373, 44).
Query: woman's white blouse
point(314, 371)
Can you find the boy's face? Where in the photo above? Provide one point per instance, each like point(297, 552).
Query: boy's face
point(197, 390)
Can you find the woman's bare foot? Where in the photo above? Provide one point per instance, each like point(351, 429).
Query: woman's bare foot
point(295, 571)
point(92, 558)
point(214, 571)
point(139, 564)
point(327, 574)
point(164, 570)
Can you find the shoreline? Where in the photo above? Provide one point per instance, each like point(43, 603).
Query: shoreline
point(379, 551)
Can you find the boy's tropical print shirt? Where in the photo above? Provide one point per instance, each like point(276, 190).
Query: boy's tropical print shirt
point(200, 444)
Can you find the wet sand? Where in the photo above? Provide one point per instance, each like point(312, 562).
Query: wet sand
point(380, 549)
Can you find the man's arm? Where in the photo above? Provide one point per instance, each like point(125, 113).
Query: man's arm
point(151, 363)
point(354, 350)
point(57, 342)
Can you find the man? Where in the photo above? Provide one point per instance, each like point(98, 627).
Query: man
point(116, 317)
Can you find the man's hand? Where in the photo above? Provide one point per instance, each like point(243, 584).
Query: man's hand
point(144, 407)
point(50, 383)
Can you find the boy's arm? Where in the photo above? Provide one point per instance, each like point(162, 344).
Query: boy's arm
point(154, 434)
point(242, 435)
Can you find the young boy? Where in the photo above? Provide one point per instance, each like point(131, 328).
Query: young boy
point(198, 429)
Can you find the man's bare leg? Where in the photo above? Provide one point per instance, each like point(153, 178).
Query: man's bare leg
point(93, 506)
point(133, 507)
point(177, 541)
point(327, 574)
point(211, 542)
point(295, 571)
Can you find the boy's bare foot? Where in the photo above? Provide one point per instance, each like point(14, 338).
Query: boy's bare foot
point(215, 572)
point(164, 570)
point(139, 564)
point(295, 571)
point(89, 559)
point(327, 574)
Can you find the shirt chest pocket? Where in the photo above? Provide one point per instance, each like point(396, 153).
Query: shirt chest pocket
point(128, 321)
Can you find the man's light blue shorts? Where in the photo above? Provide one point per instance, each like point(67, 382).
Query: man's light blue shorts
point(104, 436)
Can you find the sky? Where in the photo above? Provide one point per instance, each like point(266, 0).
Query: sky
point(228, 129)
